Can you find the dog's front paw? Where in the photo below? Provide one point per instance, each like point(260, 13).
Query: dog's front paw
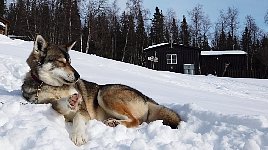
point(74, 101)
point(79, 138)
point(111, 122)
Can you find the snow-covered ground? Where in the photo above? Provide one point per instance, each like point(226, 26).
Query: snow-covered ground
point(218, 113)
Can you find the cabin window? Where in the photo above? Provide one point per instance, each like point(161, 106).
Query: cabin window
point(171, 58)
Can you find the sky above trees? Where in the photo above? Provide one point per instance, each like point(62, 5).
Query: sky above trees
point(212, 8)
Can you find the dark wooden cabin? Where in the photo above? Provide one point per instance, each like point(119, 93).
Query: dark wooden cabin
point(173, 57)
point(188, 60)
point(220, 62)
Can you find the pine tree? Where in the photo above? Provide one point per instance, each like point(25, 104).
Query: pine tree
point(141, 38)
point(44, 23)
point(60, 23)
point(116, 37)
point(185, 34)
point(128, 31)
point(20, 22)
point(229, 42)
point(132, 48)
point(246, 40)
point(102, 37)
point(71, 19)
point(84, 38)
point(125, 35)
point(222, 41)
point(174, 31)
point(11, 15)
point(167, 34)
point(90, 32)
point(33, 18)
point(205, 44)
point(264, 51)
point(157, 30)
point(236, 43)
point(75, 24)
point(2, 7)
point(246, 44)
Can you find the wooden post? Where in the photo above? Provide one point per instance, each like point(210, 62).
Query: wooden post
point(6, 29)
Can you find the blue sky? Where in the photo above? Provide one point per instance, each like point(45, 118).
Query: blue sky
point(255, 8)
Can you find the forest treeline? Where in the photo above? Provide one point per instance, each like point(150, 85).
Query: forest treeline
point(103, 29)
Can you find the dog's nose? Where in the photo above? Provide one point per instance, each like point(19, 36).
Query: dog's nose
point(76, 75)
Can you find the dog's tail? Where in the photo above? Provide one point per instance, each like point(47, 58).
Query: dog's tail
point(159, 112)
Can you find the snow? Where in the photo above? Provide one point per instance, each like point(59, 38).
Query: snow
point(2, 24)
point(227, 52)
point(218, 113)
point(156, 45)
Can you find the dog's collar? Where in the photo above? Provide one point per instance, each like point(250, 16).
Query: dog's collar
point(35, 78)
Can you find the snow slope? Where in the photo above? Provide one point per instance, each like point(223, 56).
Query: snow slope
point(218, 113)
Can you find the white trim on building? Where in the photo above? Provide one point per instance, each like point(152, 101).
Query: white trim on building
point(227, 52)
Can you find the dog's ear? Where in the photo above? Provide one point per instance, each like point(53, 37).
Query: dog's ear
point(70, 45)
point(36, 57)
point(40, 43)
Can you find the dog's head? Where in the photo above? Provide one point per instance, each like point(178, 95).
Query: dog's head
point(52, 63)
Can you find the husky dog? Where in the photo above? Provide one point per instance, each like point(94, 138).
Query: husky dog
point(52, 79)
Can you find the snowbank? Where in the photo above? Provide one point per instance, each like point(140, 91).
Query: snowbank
point(218, 113)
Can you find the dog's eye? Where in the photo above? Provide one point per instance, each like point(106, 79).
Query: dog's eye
point(63, 60)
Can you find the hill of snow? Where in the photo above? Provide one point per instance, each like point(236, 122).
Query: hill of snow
point(218, 113)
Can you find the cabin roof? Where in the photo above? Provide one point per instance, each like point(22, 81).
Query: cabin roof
point(152, 47)
point(227, 52)
point(2, 24)
point(157, 45)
